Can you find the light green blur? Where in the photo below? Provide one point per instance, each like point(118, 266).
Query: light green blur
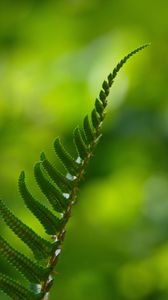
point(54, 55)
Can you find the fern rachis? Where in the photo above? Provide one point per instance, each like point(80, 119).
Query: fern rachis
point(61, 192)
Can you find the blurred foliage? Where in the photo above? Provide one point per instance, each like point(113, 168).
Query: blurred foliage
point(53, 58)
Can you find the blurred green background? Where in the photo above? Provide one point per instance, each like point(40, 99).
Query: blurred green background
point(54, 56)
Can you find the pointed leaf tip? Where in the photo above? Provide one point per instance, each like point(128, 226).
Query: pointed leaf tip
point(67, 160)
point(80, 144)
point(22, 175)
point(42, 156)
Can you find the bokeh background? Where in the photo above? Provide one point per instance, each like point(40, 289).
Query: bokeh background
point(54, 56)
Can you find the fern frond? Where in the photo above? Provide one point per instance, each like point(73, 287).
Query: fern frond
point(64, 184)
point(15, 290)
point(54, 196)
point(32, 271)
point(61, 194)
point(40, 247)
point(49, 221)
point(69, 163)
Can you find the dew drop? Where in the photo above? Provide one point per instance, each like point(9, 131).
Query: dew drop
point(78, 160)
point(46, 296)
point(70, 177)
point(54, 238)
point(38, 288)
point(66, 195)
point(50, 278)
point(57, 252)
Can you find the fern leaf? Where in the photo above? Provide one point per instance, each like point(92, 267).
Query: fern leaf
point(80, 144)
point(58, 178)
point(102, 97)
point(40, 247)
point(95, 119)
point(88, 130)
point(50, 222)
point(54, 196)
point(32, 271)
point(106, 87)
point(16, 291)
point(69, 163)
point(99, 108)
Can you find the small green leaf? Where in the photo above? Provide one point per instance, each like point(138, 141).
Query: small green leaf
point(99, 107)
point(27, 267)
point(80, 144)
point(54, 196)
point(105, 86)
point(103, 97)
point(40, 247)
point(50, 222)
point(110, 79)
point(16, 291)
point(88, 130)
point(69, 163)
point(59, 179)
point(95, 119)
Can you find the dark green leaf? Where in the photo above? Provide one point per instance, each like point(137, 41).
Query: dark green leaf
point(28, 268)
point(95, 119)
point(88, 130)
point(54, 196)
point(40, 247)
point(99, 107)
point(59, 179)
point(15, 290)
point(70, 164)
point(50, 222)
point(80, 144)
point(103, 97)
point(105, 86)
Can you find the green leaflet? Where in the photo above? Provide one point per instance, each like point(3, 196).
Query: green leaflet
point(88, 130)
point(80, 144)
point(40, 247)
point(54, 196)
point(50, 222)
point(99, 108)
point(16, 291)
point(32, 271)
point(59, 179)
point(110, 79)
point(69, 163)
point(95, 119)
point(106, 87)
point(102, 97)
